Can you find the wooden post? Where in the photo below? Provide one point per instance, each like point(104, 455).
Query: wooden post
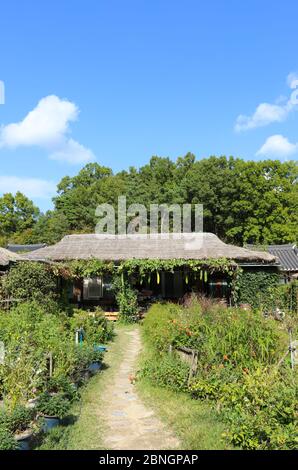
point(51, 363)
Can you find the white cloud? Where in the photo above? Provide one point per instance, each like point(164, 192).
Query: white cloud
point(277, 146)
point(31, 187)
point(72, 152)
point(265, 114)
point(292, 80)
point(47, 127)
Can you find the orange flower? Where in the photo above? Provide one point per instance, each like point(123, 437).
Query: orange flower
point(225, 357)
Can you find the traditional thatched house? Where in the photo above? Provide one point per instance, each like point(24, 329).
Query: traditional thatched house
point(6, 258)
point(172, 281)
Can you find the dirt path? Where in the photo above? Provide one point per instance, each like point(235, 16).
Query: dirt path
point(130, 424)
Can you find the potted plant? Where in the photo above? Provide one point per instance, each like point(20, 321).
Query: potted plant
point(17, 422)
point(96, 362)
point(7, 440)
point(20, 420)
point(52, 408)
point(85, 355)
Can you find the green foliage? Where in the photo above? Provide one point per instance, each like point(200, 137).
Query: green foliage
point(53, 405)
point(244, 337)
point(30, 281)
point(244, 201)
point(126, 298)
point(7, 441)
point(18, 215)
point(31, 335)
point(257, 288)
point(17, 420)
point(62, 385)
point(262, 411)
point(238, 352)
point(96, 328)
point(166, 371)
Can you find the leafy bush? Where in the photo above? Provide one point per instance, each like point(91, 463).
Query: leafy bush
point(16, 420)
point(30, 281)
point(7, 441)
point(167, 371)
point(29, 335)
point(254, 288)
point(126, 298)
point(63, 386)
point(53, 405)
point(33, 337)
point(238, 352)
point(96, 328)
point(220, 335)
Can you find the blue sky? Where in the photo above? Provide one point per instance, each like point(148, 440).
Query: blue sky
point(119, 81)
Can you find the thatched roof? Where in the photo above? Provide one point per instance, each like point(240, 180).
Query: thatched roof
point(7, 257)
point(158, 246)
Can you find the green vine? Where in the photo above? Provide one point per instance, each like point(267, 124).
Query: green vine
point(146, 268)
point(143, 267)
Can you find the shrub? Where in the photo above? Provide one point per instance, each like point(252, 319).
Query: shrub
point(30, 336)
point(63, 386)
point(238, 352)
point(16, 420)
point(127, 300)
point(254, 288)
point(167, 371)
point(30, 281)
point(96, 328)
point(53, 405)
point(7, 441)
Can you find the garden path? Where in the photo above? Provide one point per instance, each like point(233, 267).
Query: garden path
point(129, 423)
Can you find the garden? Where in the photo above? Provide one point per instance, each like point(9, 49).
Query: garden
point(242, 370)
point(48, 354)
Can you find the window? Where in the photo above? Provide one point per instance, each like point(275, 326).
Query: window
point(93, 288)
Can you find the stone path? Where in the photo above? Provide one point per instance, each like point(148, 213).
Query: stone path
point(130, 424)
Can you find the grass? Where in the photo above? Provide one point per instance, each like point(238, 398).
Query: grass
point(193, 422)
point(88, 429)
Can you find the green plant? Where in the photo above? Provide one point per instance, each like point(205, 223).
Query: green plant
point(53, 405)
point(238, 352)
point(16, 420)
point(30, 281)
point(62, 385)
point(126, 298)
point(96, 328)
point(255, 288)
point(7, 441)
point(166, 371)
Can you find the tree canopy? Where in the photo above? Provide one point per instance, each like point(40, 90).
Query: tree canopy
point(244, 201)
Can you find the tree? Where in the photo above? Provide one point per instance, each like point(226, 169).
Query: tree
point(17, 215)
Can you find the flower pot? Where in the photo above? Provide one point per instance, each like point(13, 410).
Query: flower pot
point(50, 422)
point(24, 439)
point(94, 367)
point(100, 348)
